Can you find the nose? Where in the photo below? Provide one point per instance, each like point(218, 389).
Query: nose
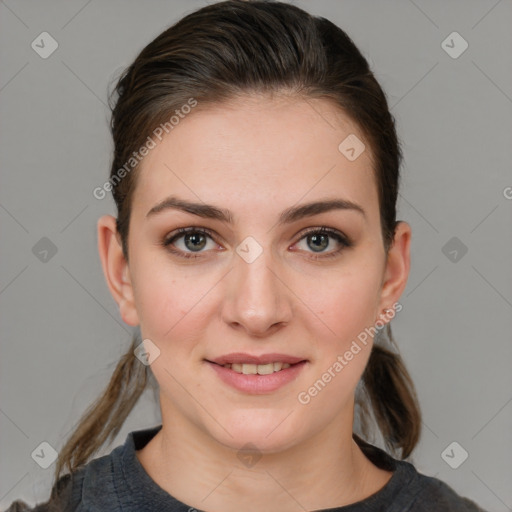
point(257, 298)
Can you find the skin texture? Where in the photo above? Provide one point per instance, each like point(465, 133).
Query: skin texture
point(256, 156)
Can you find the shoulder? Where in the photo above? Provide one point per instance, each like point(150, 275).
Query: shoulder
point(72, 492)
point(61, 497)
point(429, 494)
point(104, 483)
point(411, 491)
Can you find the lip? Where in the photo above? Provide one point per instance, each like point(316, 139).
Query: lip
point(258, 384)
point(241, 358)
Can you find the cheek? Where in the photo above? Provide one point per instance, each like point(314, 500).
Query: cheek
point(343, 344)
point(161, 297)
point(169, 307)
point(171, 301)
point(344, 308)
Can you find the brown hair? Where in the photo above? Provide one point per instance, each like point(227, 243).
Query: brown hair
point(214, 54)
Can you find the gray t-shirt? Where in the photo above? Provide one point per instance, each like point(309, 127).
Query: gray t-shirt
point(119, 482)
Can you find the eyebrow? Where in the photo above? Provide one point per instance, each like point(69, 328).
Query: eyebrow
point(288, 216)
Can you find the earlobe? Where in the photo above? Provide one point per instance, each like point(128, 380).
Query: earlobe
point(116, 269)
point(397, 267)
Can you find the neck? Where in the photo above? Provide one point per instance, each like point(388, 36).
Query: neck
point(326, 471)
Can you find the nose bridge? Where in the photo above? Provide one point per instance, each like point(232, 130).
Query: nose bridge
point(256, 266)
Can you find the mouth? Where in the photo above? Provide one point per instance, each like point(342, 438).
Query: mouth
point(257, 374)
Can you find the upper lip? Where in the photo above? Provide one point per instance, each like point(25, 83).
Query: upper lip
point(241, 358)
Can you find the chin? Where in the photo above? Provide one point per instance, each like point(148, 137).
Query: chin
point(264, 431)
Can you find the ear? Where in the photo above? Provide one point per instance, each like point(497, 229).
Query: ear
point(397, 267)
point(115, 268)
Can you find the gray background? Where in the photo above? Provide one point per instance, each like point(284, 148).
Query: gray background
point(61, 331)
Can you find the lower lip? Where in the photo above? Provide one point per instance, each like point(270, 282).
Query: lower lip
point(258, 384)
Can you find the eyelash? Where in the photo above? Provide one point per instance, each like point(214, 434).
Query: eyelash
point(344, 241)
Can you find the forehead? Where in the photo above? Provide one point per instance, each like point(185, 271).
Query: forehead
point(257, 150)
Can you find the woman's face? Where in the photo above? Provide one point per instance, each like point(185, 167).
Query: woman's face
point(260, 283)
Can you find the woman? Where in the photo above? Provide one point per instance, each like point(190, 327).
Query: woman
point(255, 173)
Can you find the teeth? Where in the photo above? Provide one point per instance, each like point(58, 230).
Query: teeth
point(249, 369)
point(260, 369)
point(278, 366)
point(265, 369)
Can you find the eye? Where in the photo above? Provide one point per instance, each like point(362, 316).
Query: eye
point(195, 239)
point(319, 238)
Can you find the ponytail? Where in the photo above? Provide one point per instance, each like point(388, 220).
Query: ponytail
point(390, 392)
point(105, 417)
